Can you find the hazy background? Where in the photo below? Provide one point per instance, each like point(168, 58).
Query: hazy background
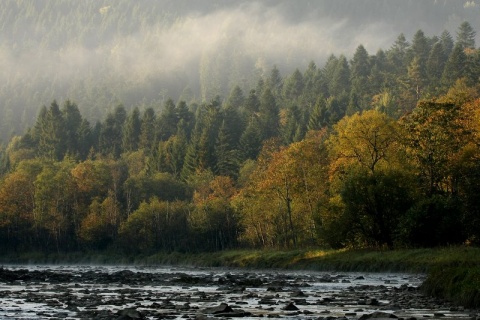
point(101, 53)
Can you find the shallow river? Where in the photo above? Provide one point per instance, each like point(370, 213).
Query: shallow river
point(102, 292)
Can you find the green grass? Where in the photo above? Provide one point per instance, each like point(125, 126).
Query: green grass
point(458, 284)
point(410, 260)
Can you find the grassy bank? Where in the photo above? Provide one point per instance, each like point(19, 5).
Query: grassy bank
point(412, 260)
point(454, 272)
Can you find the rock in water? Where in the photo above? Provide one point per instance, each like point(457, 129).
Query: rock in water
point(222, 308)
point(378, 315)
point(290, 307)
point(129, 314)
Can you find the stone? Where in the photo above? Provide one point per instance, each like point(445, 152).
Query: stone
point(378, 315)
point(128, 314)
point(290, 307)
point(222, 308)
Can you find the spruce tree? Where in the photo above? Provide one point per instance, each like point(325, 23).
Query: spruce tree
point(466, 36)
point(148, 138)
point(131, 131)
point(455, 66)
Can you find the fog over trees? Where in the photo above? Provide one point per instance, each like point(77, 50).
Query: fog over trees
point(104, 53)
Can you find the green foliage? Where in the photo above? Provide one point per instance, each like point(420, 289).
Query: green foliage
point(459, 284)
point(437, 220)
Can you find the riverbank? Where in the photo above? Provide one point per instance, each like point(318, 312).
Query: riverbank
point(454, 272)
point(411, 260)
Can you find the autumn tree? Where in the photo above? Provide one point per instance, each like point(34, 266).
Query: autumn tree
point(369, 179)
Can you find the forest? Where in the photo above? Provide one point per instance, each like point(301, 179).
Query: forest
point(380, 150)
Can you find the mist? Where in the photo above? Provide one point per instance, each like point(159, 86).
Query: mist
point(205, 49)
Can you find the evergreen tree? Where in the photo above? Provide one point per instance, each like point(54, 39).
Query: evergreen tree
point(72, 122)
point(275, 82)
point(312, 79)
point(293, 127)
point(293, 87)
point(227, 161)
point(252, 105)
point(269, 115)
point(191, 161)
point(251, 140)
point(397, 55)
point(328, 73)
point(435, 65)
point(208, 127)
point(236, 98)
point(447, 42)
point(183, 113)
point(234, 125)
point(51, 143)
point(167, 121)
point(110, 139)
point(420, 51)
point(455, 66)
point(85, 139)
point(147, 131)
point(317, 118)
point(340, 84)
point(131, 131)
point(360, 70)
point(466, 36)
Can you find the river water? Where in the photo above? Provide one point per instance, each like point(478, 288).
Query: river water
point(114, 292)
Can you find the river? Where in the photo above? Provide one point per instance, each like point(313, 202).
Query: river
point(119, 292)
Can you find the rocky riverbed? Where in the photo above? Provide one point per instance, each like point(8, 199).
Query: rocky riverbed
point(86, 292)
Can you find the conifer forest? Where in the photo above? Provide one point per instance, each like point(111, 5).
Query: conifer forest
point(356, 146)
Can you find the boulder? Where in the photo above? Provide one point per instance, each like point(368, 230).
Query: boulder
point(378, 315)
point(222, 308)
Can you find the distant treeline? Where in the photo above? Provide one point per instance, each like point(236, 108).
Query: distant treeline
point(381, 150)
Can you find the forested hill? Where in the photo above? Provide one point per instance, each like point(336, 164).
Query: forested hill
point(377, 150)
point(103, 53)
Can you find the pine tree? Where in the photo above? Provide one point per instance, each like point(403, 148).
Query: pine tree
point(183, 113)
point(466, 36)
point(293, 87)
point(52, 143)
point(420, 51)
point(251, 140)
point(191, 161)
point(293, 125)
point(275, 82)
point(317, 118)
point(110, 138)
point(397, 55)
point(269, 115)
point(312, 84)
point(85, 139)
point(131, 131)
point(340, 83)
point(455, 66)
point(227, 162)
point(360, 70)
point(72, 122)
point(252, 105)
point(236, 98)
point(208, 127)
point(435, 65)
point(447, 42)
point(148, 138)
point(167, 121)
